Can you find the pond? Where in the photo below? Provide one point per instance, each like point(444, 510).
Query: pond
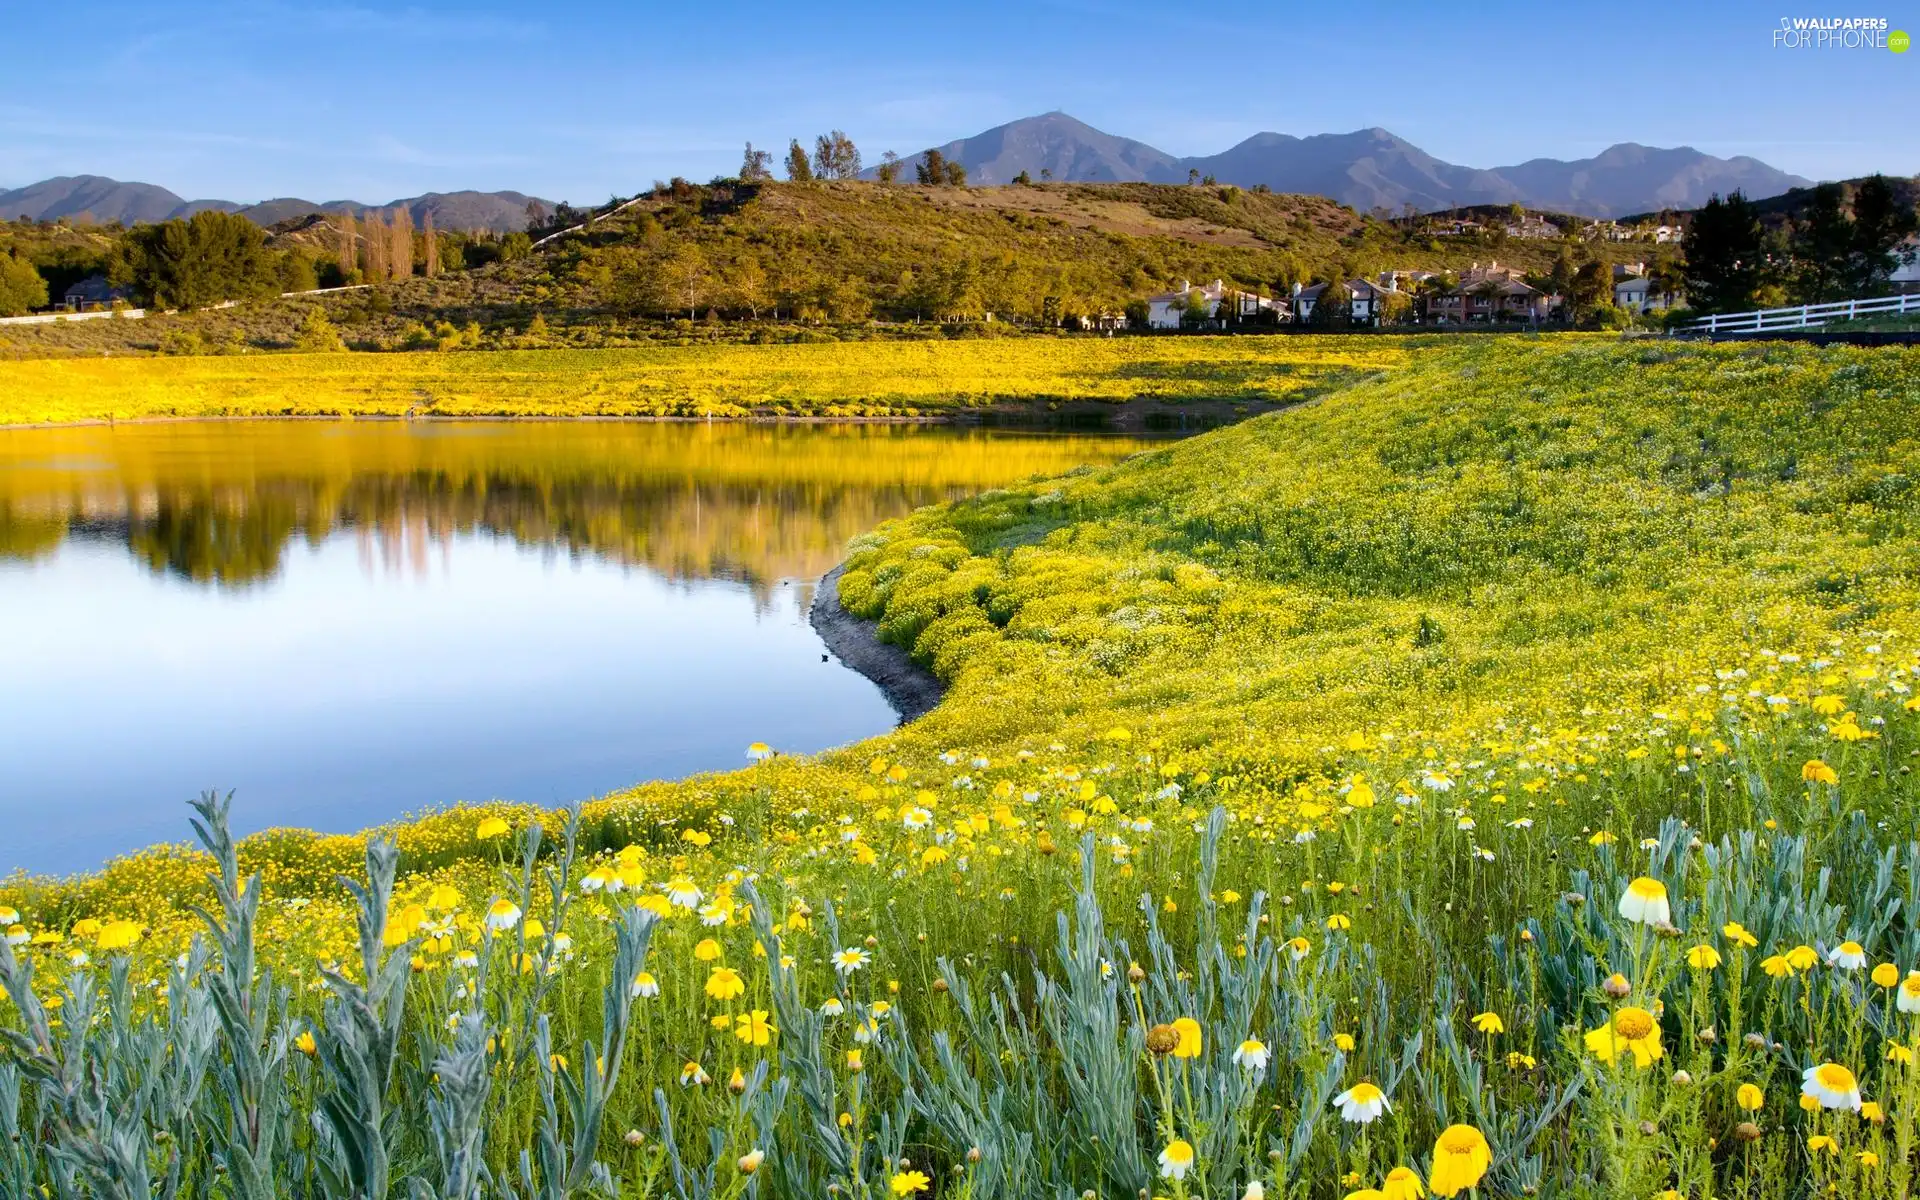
point(344, 622)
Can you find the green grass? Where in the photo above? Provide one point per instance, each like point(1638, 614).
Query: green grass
point(1345, 725)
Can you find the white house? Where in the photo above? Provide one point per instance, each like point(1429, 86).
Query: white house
point(1906, 277)
point(1668, 233)
point(1639, 294)
point(1165, 310)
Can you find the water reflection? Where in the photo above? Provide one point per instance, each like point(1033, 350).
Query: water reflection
point(219, 504)
point(349, 621)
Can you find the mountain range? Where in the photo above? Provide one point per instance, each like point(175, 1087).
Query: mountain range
point(99, 199)
point(1366, 169)
point(1372, 168)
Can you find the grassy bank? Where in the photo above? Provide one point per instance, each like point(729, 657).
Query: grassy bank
point(1340, 734)
point(843, 380)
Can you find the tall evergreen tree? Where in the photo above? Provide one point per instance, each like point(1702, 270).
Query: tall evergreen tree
point(1880, 224)
point(932, 168)
point(1726, 252)
point(1821, 241)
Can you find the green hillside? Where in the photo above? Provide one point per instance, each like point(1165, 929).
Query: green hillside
point(777, 261)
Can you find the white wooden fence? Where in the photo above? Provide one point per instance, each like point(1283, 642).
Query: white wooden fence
point(135, 314)
point(1806, 316)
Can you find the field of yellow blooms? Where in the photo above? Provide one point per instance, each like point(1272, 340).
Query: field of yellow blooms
point(854, 379)
point(1492, 780)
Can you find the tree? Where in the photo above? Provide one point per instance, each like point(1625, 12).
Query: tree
point(1821, 240)
point(205, 259)
point(373, 261)
point(1046, 173)
point(932, 168)
point(432, 243)
point(297, 273)
point(1592, 291)
point(889, 169)
point(797, 169)
point(956, 174)
point(1560, 279)
point(317, 334)
point(756, 166)
point(400, 243)
point(835, 156)
point(1334, 307)
point(747, 284)
point(1726, 253)
point(685, 273)
point(21, 286)
point(1193, 176)
point(347, 248)
point(1023, 179)
point(1880, 224)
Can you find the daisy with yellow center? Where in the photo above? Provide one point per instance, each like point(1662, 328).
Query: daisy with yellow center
point(1907, 1000)
point(1831, 1086)
point(502, 915)
point(1401, 1183)
point(1252, 1054)
point(1645, 902)
point(1188, 1046)
point(1848, 956)
point(725, 983)
point(1461, 1157)
point(1176, 1160)
point(1632, 1029)
point(1362, 1104)
point(1703, 957)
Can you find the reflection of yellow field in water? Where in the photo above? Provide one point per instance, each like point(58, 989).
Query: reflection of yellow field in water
point(214, 501)
point(844, 379)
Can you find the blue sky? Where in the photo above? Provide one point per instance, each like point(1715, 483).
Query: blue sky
point(576, 102)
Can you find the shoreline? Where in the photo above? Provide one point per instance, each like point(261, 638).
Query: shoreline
point(1139, 415)
point(911, 689)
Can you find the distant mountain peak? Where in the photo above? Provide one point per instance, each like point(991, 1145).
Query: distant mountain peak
point(1370, 168)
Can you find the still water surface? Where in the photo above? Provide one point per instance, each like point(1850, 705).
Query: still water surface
point(346, 622)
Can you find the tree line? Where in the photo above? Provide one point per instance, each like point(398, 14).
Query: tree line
point(836, 157)
point(212, 257)
point(1836, 247)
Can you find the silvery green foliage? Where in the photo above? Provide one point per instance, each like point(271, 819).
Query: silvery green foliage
point(813, 1147)
point(362, 1024)
point(456, 1114)
point(252, 1115)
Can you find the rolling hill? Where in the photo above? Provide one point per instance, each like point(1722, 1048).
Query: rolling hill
point(95, 198)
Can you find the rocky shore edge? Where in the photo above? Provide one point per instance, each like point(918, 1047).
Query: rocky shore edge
point(910, 688)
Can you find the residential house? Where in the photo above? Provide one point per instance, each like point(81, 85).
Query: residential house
point(1166, 310)
point(1373, 300)
point(1533, 227)
point(1668, 233)
point(1906, 277)
point(93, 292)
point(1490, 293)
